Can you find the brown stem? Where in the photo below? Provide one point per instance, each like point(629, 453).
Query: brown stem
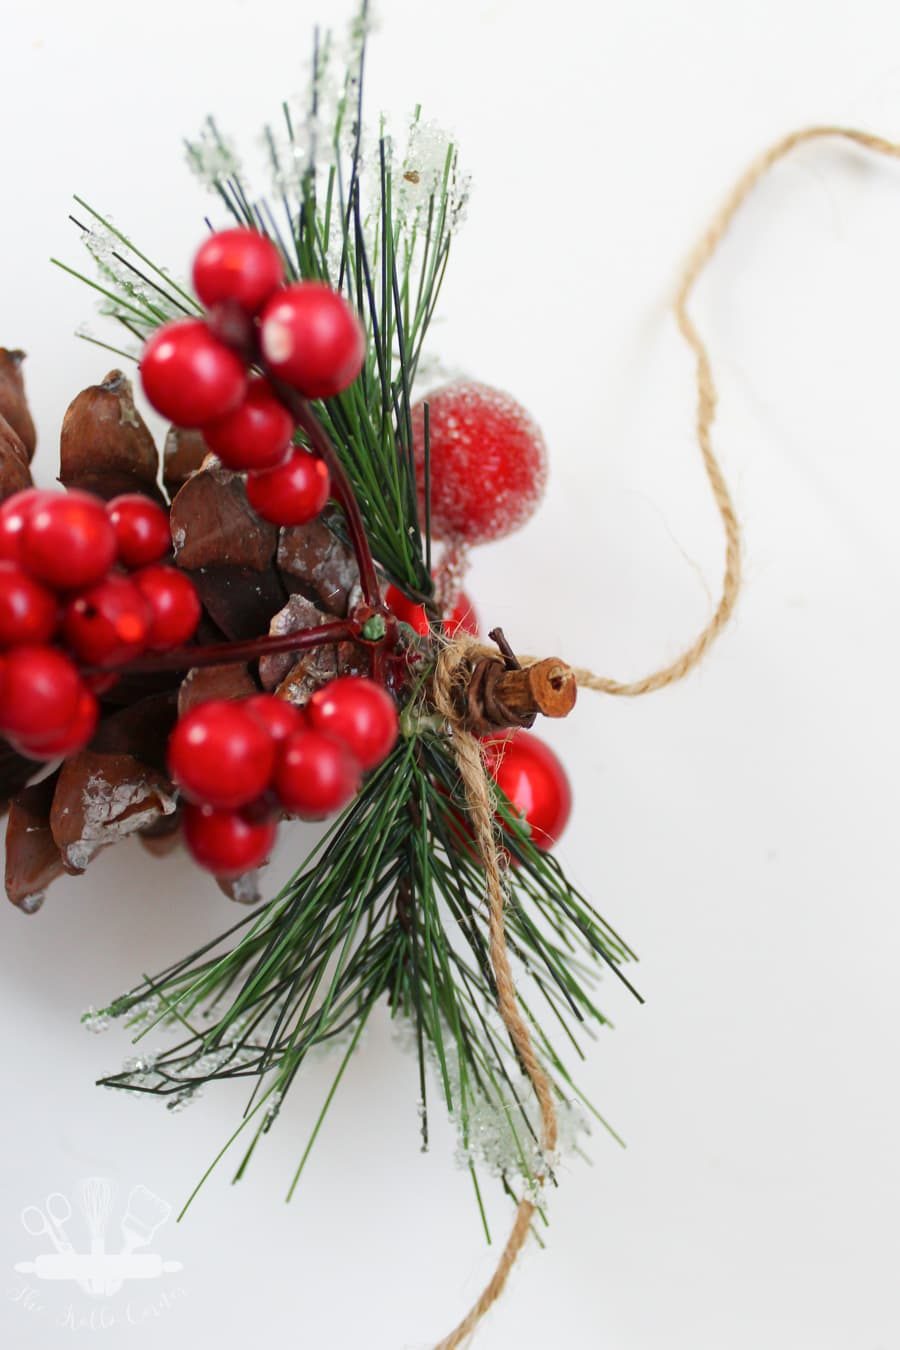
point(340, 484)
point(498, 696)
point(223, 653)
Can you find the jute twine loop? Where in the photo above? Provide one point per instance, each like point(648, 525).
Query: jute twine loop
point(457, 658)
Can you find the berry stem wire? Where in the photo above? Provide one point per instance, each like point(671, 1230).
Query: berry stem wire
point(224, 653)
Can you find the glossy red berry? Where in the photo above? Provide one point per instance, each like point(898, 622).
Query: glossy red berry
point(190, 376)
point(220, 755)
point(256, 435)
point(279, 717)
point(358, 712)
point(70, 738)
point(225, 842)
point(534, 780)
point(240, 265)
point(28, 610)
point(315, 775)
point(108, 623)
point(13, 514)
point(312, 339)
point(68, 540)
point(488, 462)
point(39, 692)
point(292, 494)
point(143, 533)
point(174, 606)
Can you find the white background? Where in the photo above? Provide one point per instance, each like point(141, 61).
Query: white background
point(740, 829)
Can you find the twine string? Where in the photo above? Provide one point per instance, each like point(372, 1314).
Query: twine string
point(456, 656)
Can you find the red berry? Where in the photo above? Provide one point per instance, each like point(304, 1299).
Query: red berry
point(70, 739)
point(219, 754)
point(173, 603)
point(13, 514)
point(189, 376)
point(226, 843)
point(316, 774)
point(463, 619)
point(257, 435)
point(28, 611)
point(240, 265)
point(143, 534)
point(279, 717)
point(488, 462)
point(292, 494)
point(534, 780)
point(108, 623)
point(358, 712)
point(39, 692)
point(312, 339)
point(68, 540)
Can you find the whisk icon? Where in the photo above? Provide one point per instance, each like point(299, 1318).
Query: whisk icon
point(98, 1272)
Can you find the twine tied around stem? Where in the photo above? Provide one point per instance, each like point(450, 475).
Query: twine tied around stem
point(461, 656)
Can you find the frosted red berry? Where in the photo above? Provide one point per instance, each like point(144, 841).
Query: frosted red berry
point(69, 739)
point(315, 775)
point(28, 610)
point(358, 712)
point(292, 494)
point(189, 375)
point(240, 265)
point(279, 717)
point(13, 514)
point(143, 532)
point(226, 843)
point(534, 780)
point(221, 755)
point(40, 689)
point(108, 623)
point(174, 606)
point(312, 339)
point(256, 435)
point(68, 540)
point(488, 462)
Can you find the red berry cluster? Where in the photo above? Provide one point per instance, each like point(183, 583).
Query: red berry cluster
point(65, 603)
point(195, 371)
point(242, 763)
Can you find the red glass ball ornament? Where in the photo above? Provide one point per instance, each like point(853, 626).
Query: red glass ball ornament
point(312, 339)
point(488, 462)
point(190, 376)
point(464, 618)
point(239, 265)
point(220, 755)
point(68, 540)
point(70, 739)
point(358, 712)
point(279, 717)
point(315, 775)
point(256, 435)
point(13, 514)
point(292, 494)
point(174, 606)
point(28, 610)
point(39, 692)
point(108, 623)
point(143, 532)
point(534, 780)
point(225, 842)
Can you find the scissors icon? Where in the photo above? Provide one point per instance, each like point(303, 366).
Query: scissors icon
point(49, 1221)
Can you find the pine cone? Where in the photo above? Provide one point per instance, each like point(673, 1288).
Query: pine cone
point(252, 579)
